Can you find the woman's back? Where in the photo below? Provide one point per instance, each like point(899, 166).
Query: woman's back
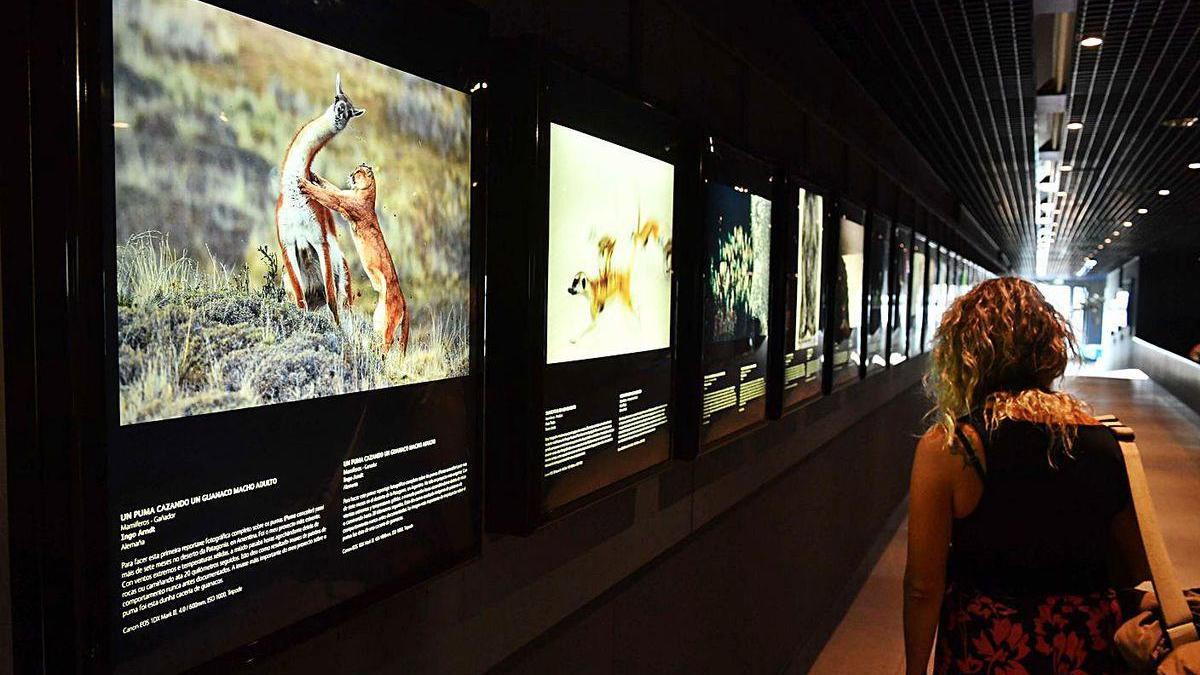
point(1027, 576)
point(1009, 568)
point(1038, 527)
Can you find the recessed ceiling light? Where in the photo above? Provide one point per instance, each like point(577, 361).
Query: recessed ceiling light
point(1143, 211)
point(1194, 165)
point(1065, 167)
point(1091, 41)
point(1128, 223)
point(1116, 233)
point(1164, 192)
point(1107, 241)
point(1100, 246)
point(1074, 126)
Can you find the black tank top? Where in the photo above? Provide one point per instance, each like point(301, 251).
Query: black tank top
point(1038, 528)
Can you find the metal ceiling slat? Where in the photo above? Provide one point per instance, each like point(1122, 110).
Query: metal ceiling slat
point(1140, 153)
point(957, 76)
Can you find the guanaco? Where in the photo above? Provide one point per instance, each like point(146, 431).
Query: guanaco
point(316, 270)
point(357, 206)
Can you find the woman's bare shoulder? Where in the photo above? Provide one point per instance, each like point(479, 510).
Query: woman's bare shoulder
point(943, 450)
point(935, 446)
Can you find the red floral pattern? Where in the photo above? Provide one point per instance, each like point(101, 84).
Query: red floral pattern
point(1058, 634)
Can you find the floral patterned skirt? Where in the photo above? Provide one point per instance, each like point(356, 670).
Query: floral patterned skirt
point(1027, 635)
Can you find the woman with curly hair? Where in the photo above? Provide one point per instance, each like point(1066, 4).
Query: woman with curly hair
point(1017, 499)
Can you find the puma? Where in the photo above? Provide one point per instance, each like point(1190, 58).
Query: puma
point(357, 206)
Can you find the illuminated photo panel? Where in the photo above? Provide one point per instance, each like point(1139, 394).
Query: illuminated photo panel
point(736, 274)
point(295, 400)
point(847, 300)
point(808, 269)
point(898, 310)
point(917, 320)
point(609, 263)
point(738, 229)
point(606, 387)
point(804, 356)
point(877, 293)
point(292, 220)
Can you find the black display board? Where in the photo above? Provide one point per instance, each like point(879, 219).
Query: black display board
point(729, 316)
point(249, 465)
point(581, 302)
point(803, 256)
point(919, 295)
point(846, 242)
point(900, 282)
point(875, 307)
point(937, 291)
point(954, 276)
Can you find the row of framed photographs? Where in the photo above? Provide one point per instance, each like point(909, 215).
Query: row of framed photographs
point(289, 389)
point(677, 292)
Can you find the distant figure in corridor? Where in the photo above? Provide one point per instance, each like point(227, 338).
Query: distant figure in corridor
point(1018, 497)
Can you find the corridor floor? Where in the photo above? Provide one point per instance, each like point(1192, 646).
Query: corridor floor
point(870, 637)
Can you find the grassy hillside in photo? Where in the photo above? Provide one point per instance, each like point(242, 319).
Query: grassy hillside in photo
point(197, 337)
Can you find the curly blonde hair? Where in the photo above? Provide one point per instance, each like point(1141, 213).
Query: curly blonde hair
point(999, 349)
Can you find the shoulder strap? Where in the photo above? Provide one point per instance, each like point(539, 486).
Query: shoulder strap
point(1177, 617)
point(972, 458)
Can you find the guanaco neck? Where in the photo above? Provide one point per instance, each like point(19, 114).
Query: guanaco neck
point(308, 142)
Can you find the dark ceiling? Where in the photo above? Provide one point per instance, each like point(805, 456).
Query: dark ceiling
point(959, 79)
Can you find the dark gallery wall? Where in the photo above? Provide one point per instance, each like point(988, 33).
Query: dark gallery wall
point(1165, 312)
point(743, 560)
point(753, 73)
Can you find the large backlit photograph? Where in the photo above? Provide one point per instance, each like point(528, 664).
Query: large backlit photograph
point(808, 269)
point(292, 220)
point(609, 263)
point(737, 267)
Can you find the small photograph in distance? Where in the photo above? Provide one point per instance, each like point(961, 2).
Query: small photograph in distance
point(737, 266)
point(808, 269)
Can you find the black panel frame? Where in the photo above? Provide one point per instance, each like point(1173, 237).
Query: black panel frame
point(725, 164)
point(918, 315)
point(804, 393)
point(901, 240)
point(838, 377)
point(879, 229)
point(56, 439)
point(530, 89)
